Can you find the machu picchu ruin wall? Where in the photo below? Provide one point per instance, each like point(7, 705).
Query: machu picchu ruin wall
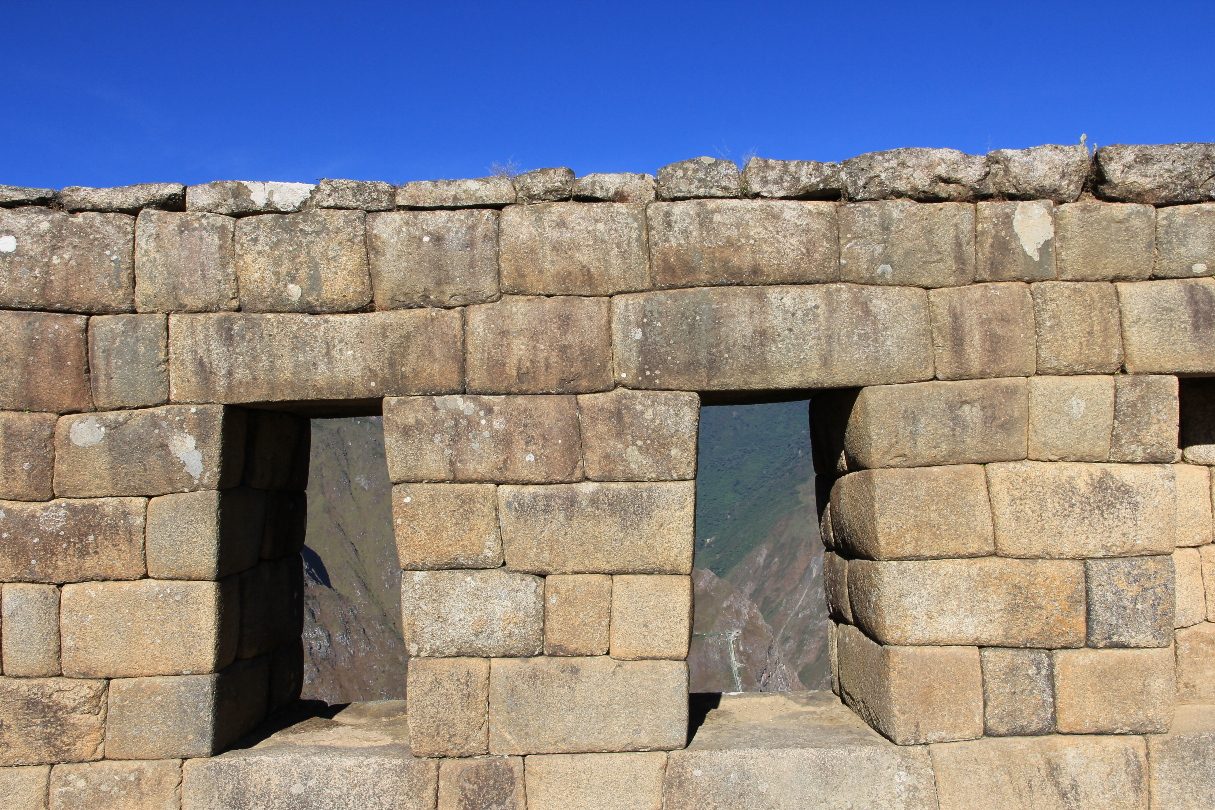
point(1010, 362)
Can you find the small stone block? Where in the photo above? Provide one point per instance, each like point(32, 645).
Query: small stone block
point(792, 179)
point(1195, 664)
point(983, 330)
point(1105, 241)
point(44, 362)
point(1146, 416)
point(124, 199)
point(244, 197)
point(1018, 693)
point(129, 360)
point(698, 177)
point(184, 262)
point(448, 706)
point(924, 175)
point(205, 535)
point(116, 786)
point(481, 613)
point(72, 540)
point(355, 195)
point(596, 781)
point(24, 788)
point(905, 243)
point(51, 720)
point(1114, 691)
point(639, 435)
point(577, 614)
point(27, 455)
point(17, 196)
point(1130, 601)
point(491, 192)
point(495, 783)
point(31, 630)
point(835, 584)
point(1208, 578)
point(1194, 487)
point(1164, 173)
point(1015, 241)
point(1078, 329)
point(1070, 418)
point(1185, 241)
point(433, 258)
point(651, 617)
point(544, 185)
point(619, 187)
point(1191, 593)
point(446, 526)
point(1169, 326)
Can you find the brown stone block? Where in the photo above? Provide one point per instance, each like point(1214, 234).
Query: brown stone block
point(564, 248)
point(446, 526)
point(897, 514)
point(433, 258)
point(185, 262)
point(1018, 693)
point(1145, 420)
point(31, 630)
point(277, 451)
point(482, 613)
point(1078, 327)
point(536, 345)
point(71, 540)
point(577, 614)
point(448, 706)
point(271, 606)
point(1194, 487)
point(1168, 327)
point(44, 364)
point(313, 261)
point(532, 439)
point(1195, 664)
point(1183, 762)
point(51, 720)
point(175, 448)
point(1105, 241)
point(639, 435)
point(482, 784)
point(820, 336)
point(205, 535)
point(1114, 691)
point(651, 617)
point(1185, 241)
point(933, 423)
point(1015, 241)
point(835, 584)
point(544, 185)
point(24, 788)
point(1208, 578)
point(117, 786)
point(1130, 601)
point(148, 627)
point(753, 242)
point(598, 528)
point(27, 456)
point(983, 330)
point(579, 705)
point(129, 360)
point(491, 192)
point(73, 263)
point(596, 781)
point(1191, 595)
point(1070, 418)
point(992, 601)
point(1072, 510)
point(896, 690)
point(907, 243)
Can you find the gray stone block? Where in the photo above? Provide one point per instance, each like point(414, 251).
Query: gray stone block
point(792, 179)
point(354, 194)
point(544, 185)
point(492, 783)
point(1105, 241)
point(1157, 174)
point(698, 177)
point(124, 199)
point(1191, 593)
point(1050, 172)
point(44, 362)
point(1195, 648)
point(71, 540)
point(639, 435)
point(1114, 691)
point(1070, 418)
point(31, 630)
point(184, 262)
point(1183, 762)
point(271, 606)
point(1169, 326)
point(484, 192)
point(622, 187)
point(923, 175)
point(1146, 419)
point(1078, 327)
point(902, 243)
point(129, 360)
point(1130, 601)
point(1185, 241)
point(487, 613)
point(651, 617)
point(446, 526)
point(1018, 693)
point(596, 781)
point(577, 614)
point(241, 198)
point(433, 258)
point(17, 196)
point(1015, 241)
point(27, 455)
point(983, 330)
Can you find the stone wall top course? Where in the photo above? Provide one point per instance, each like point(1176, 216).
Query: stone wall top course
point(792, 179)
point(125, 199)
point(699, 177)
point(624, 187)
point(242, 198)
point(544, 185)
point(1157, 174)
point(354, 194)
point(15, 196)
point(487, 192)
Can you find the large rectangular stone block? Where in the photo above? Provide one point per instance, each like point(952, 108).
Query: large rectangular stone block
point(906, 243)
point(822, 336)
point(639, 435)
point(596, 781)
point(24, 788)
point(185, 262)
point(360, 195)
point(129, 360)
point(117, 786)
point(71, 540)
point(934, 423)
point(983, 330)
point(27, 455)
point(1071, 418)
point(651, 616)
point(446, 526)
point(1105, 241)
point(580, 705)
point(77, 263)
point(1015, 241)
point(1078, 327)
point(1168, 327)
point(1183, 762)
point(273, 358)
point(577, 614)
point(533, 439)
point(1018, 692)
point(176, 448)
point(992, 601)
point(1073, 510)
point(31, 630)
point(148, 627)
point(51, 720)
point(205, 535)
point(1114, 691)
point(1185, 241)
point(479, 613)
point(448, 706)
point(1130, 601)
point(44, 362)
point(620, 187)
point(598, 528)
point(484, 783)
point(433, 258)
point(1145, 419)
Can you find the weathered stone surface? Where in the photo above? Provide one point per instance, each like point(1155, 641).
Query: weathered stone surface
point(1208, 578)
point(184, 262)
point(1047, 772)
point(1130, 601)
point(205, 535)
point(1073, 510)
point(50, 720)
point(1197, 416)
point(446, 526)
point(544, 185)
point(433, 258)
point(991, 601)
point(896, 514)
point(1078, 329)
point(1070, 418)
point(1185, 241)
point(698, 177)
point(596, 781)
point(1114, 691)
point(1050, 172)
point(1183, 762)
point(276, 455)
point(821, 336)
point(1105, 241)
point(1194, 490)
point(933, 423)
point(315, 261)
point(502, 439)
point(31, 630)
point(792, 179)
point(482, 192)
point(598, 528)
point(448, 706)
point(483, 613)
point(579, 705)
point(1157, 173)
point(71, 540)
point(77, 263)
point(43, 362)
point(27, 455)
point(1191, 595)
point(240, 198)
point(117, 786)
point(537, 345)
point(24, 788)
point(896, 690)
point(903, 243)
point(272, 358)
point(176, 448)
point(924, 175)
point(124, 199)
point(577, 614)
point(1169, 326)
point(1145, 419)
point(1018, 693)
point(482, 784)
point(752, 242)
point(148, 627)
point(1195, 664)
point(354, 194)
point(574, 249)
point(14, 196)
point(1015, 241)
point(639, 435)
point(835, 585)
point(983, 330)
point(651, 617)
point(129, 360)
point(622, 187)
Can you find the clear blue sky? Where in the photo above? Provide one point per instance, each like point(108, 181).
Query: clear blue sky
point(125, 92)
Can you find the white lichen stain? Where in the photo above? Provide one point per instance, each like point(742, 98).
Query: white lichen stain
point(52, 518)
point(1199, 267)
point(294, 292)
point(183, 447)
point(885, 271)
point(8, 243)
point(1034, 227)
point(1076, 407)
point(87, 433)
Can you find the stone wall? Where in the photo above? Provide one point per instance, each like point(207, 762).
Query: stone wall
point(1006, 356)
